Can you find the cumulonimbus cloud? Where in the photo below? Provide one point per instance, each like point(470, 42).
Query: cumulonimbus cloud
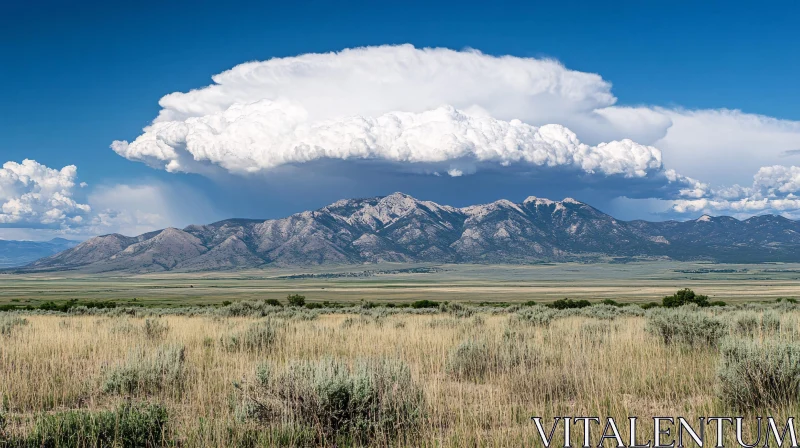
point(33, 194)
point(394, 103)
point(443, 107)
point(267, 134)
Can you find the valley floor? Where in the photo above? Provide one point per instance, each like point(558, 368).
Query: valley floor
point(384, 283)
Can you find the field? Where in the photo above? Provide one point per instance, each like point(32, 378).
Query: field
point(633, 282)
point(461, 374)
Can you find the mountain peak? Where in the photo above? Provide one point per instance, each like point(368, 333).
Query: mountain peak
point(398, 195)
point(538, 201)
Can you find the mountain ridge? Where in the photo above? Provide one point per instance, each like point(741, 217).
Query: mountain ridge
point(400, 228)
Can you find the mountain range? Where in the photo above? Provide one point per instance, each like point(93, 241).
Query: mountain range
point(400, 228)
point(19, 253)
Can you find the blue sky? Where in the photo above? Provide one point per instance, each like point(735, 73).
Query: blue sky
point(78, 76)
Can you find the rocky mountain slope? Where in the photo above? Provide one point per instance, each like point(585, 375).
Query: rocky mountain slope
point(19, 253)
point(400, 228)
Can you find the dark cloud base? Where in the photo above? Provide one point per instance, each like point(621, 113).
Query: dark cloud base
point(295, 188)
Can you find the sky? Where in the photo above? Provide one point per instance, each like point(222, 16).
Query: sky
point(132, 116)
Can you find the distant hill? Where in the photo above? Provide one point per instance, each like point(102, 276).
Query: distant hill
point(20, 253)
point(403, 229)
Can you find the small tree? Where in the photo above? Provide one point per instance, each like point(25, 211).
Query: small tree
point(296, 300)
point(684, 297)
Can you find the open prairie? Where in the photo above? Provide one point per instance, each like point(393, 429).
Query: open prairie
point(200, 360)
point(383, 283)
point(260, 375)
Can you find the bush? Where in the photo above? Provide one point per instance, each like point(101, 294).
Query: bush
point(750, 323)
point(296, 300)
point(475, 359)
point(64, 307)
point(273, 302)
point(155, 329)
point(606, 312)
point(458, 310)
point(127, 426)
point(143, 374)
point(759, 373)
point(8, 323)
point(686, 325)
point(537, 316)
point(374, 400)
point(259, 336)
point(685, 297)
point(425, 304)
point(563, 304)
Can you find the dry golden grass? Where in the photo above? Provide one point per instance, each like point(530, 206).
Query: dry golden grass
point(584, 367)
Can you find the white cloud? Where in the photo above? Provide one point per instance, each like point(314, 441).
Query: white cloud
point(372, 81)
point(773, 189)
point(267, 134)
point(725, 146)
point(37, 202)
point(447, 109)
point(33, 194)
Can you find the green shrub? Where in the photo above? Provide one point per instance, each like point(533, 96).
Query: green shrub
point(685, 297)
point(144, 373)
point(424, 304)
point(258, 336)
point(563, 304)
point(686, 325)
point(372, 401)
point(476, 359)
point(759, 373)
point(8, 323)
point(155, 329)
point(649, 305)
point(127, 426)
point(273, 302)
point(296, 300)
point(69, 305)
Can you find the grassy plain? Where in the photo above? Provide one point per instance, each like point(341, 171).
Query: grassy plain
point(633, 282)
point(481, 375)
point(456, 376)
